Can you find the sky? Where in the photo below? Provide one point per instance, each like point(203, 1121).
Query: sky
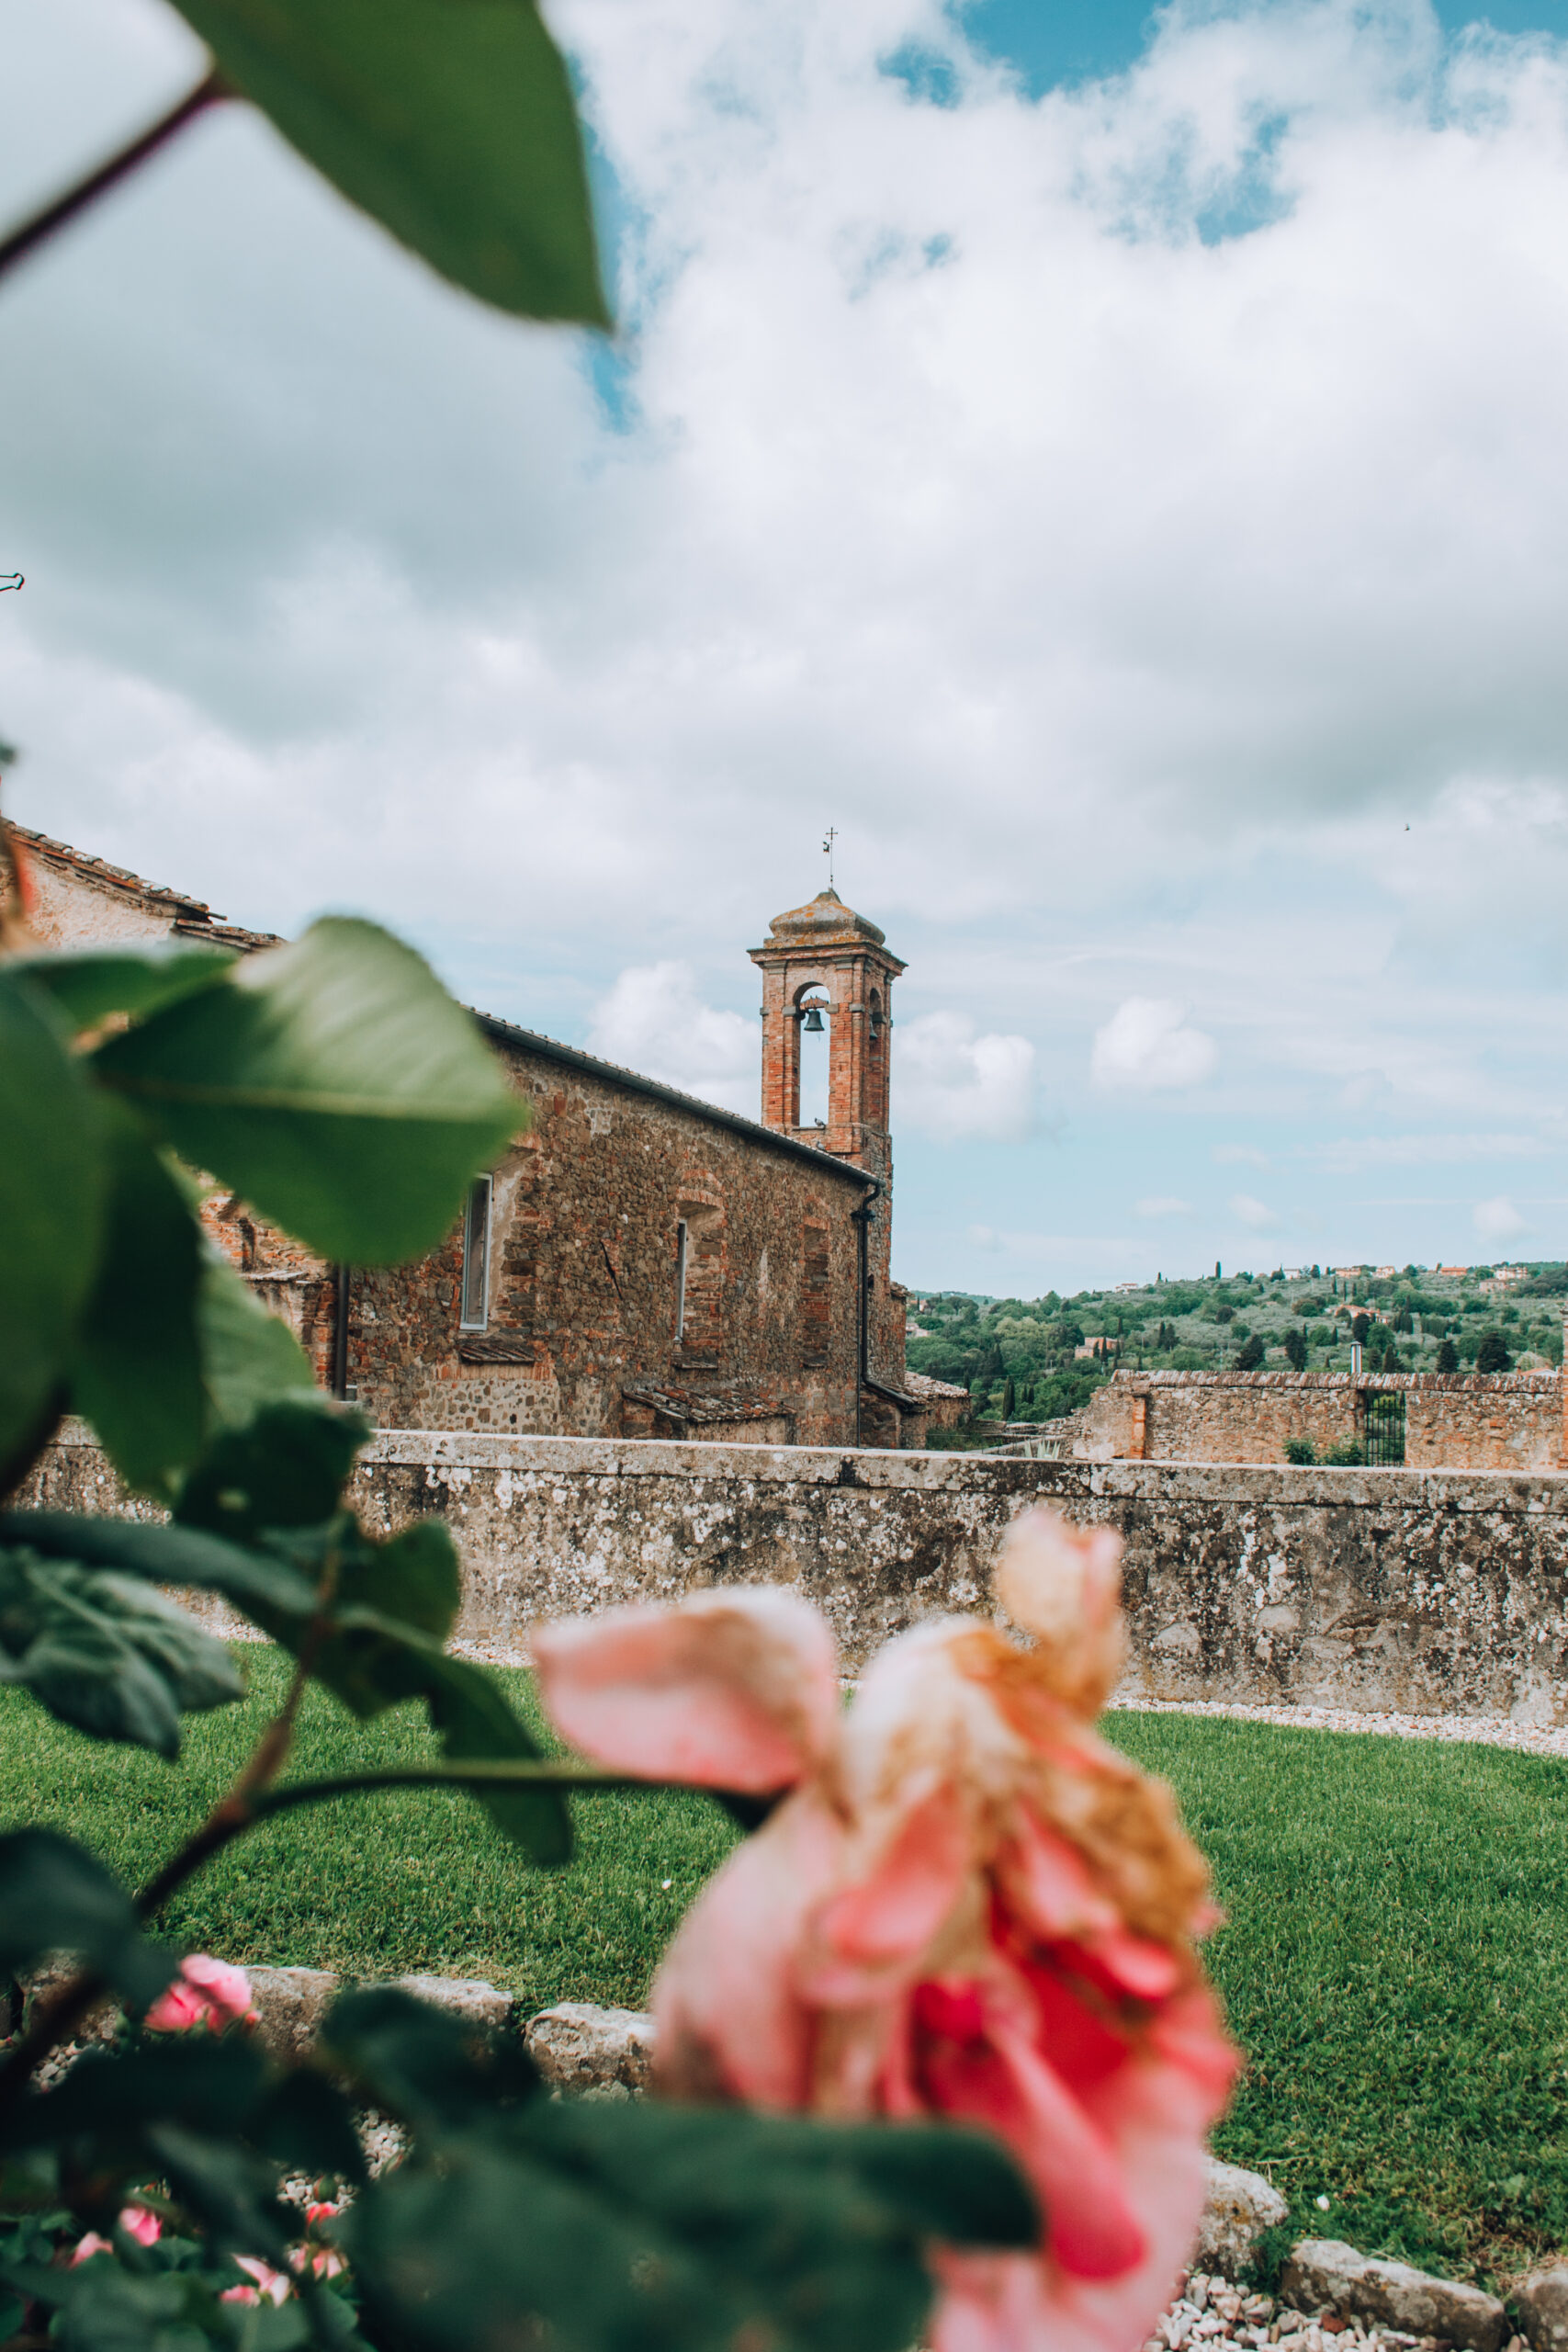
point(1108, 464)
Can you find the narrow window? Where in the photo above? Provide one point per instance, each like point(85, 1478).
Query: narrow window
point(679, 1281)
point(476, 1257)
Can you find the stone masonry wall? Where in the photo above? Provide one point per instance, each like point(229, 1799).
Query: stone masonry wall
point(1432, 1592)
point(1456, 1420)
point(582, 1280)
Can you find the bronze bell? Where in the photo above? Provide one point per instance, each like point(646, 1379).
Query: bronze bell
point(812, 1025)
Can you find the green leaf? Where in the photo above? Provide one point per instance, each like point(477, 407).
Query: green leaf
point(136, 1372)
point(814, 2230)
point(496, 2249)
point(90, 984)
point(175, 1556)
point(333, 1083)
point(423, 2065)
point(474, 1721)
point(248, 1356)
point(308, 2125)
point(415, 1579)
point(55, 1897)
point(206, 2083)
point(104, 1653)
point(962, 2185)
point(51, 1183)
point(105, 2309)
point(392, 1607)
point(285, 1468)
point(452, 125)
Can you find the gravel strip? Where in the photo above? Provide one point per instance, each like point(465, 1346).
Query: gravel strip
point(1211, 2315)
point(1491, 1731)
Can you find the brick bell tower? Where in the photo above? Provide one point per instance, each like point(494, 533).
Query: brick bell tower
point(823, 964)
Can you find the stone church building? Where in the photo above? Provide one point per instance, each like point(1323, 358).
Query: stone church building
point(638, 1262)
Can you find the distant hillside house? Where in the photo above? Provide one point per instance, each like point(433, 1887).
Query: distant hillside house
point(638, 1263)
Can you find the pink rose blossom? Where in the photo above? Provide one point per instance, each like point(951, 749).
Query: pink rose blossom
point(206, 1992)
point(324, 2261)
point(271, 2283)
point(135, 2220)
point(968, 1906)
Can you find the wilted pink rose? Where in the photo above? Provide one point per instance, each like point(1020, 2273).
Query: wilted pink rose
point(969, 1907)
point(206, 1992)
point(90, 2245)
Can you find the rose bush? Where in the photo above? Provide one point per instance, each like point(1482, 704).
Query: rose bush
point(968, 1906)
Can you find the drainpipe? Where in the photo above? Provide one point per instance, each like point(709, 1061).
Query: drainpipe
point(861, 1219)
point(340, 1333)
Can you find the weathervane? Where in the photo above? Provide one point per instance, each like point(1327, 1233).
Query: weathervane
point(829, 838)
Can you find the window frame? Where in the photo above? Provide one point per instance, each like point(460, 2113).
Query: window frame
point(683, 1247)
point(467, 1321)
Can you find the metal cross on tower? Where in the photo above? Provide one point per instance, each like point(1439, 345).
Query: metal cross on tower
point(829, 838)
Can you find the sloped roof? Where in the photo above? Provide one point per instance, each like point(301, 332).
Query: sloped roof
point(192, 918)
point(195, 920)
point(507, 1033)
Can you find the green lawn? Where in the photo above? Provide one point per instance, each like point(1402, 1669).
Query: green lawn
point(1394, 1963)
point(406, 1880)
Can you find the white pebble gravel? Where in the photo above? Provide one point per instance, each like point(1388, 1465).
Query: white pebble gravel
point(1219, 2317)
point(1491, 1731)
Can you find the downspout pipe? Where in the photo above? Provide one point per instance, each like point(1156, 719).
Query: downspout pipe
point(861, 1219)
point(339, 1332)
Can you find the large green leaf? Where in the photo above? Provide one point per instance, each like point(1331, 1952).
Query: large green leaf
point(420, 2064)
point(449, 122)
point(162, 1555)
point(476, 1724)
point(55, 1897)
point(646, 2228)
point(52, 1184)
point(333, 1083)
point(136, 1371)
point(393, 1604)
point(105, 1653)
point(89, 984)
point(249, 1356)
point(285, 1468)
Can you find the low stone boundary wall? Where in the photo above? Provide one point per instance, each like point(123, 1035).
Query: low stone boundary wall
point(1425, 1592)
point(1502, 1421)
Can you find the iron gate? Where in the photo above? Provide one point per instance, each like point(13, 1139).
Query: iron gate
point(1385, 1429)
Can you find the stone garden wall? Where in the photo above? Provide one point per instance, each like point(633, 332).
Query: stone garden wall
point(1426, 1592)
point(1452, 1420)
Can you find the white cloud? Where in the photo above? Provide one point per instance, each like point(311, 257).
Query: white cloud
point(1163, 1204)
point(1499, 1220)
point(653, 1020)
point(1147, 1044)
point(1256, 1215)
point(960, 1087)
point(972, 489)
point(1239, 1155)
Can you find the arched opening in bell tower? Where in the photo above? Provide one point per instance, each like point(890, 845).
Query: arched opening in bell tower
point(814, 1029)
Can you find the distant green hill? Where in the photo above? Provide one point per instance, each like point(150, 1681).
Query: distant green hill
point(1243, 1321)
